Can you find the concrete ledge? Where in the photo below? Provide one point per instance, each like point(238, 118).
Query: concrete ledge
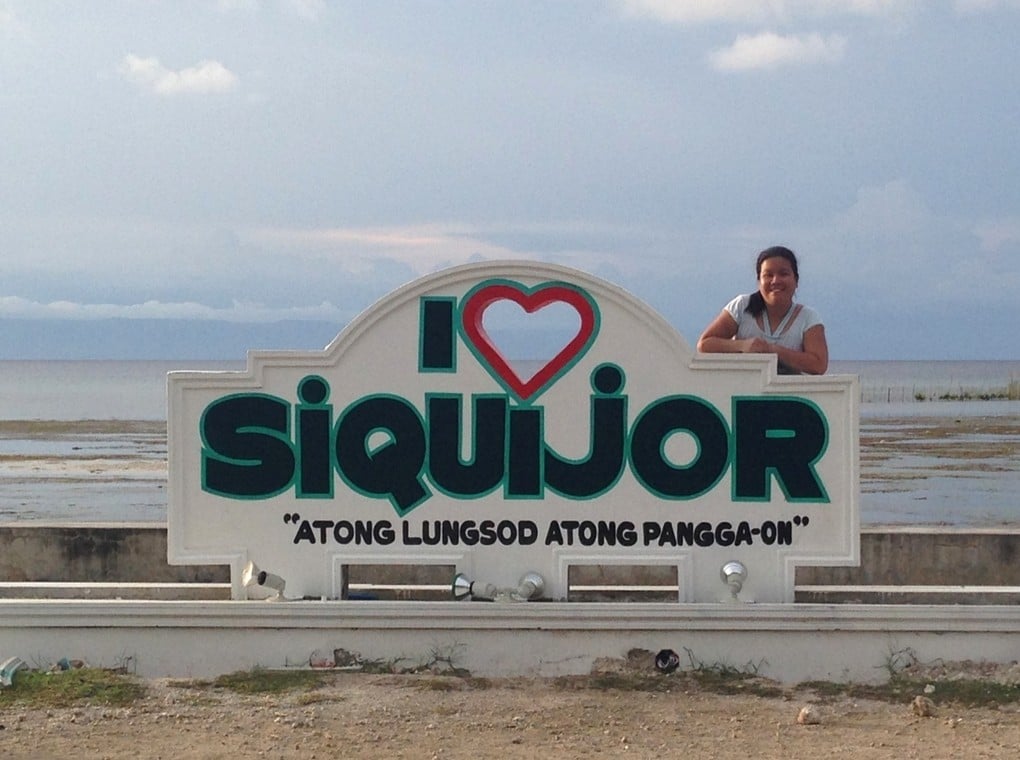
point(155, 591)
point(790, 643)
point(893, 594)
point(83, 613)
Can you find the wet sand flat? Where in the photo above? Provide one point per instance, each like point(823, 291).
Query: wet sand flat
point(915, 469)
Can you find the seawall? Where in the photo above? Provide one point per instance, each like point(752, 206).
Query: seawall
point(919, 565)
point(105, 593)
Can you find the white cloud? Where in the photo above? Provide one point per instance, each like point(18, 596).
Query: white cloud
point(10, 25)
point(769, 50)
point(978, 6)
point(762, 11)
point(893, 241)
point(311, 10)
point(239, 311)
point(422, 248)
point(203, 78)
point(891, 210)
point(235, 6)
point(995, 234)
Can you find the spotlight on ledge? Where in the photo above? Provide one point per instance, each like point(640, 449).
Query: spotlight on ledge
point(464, 588)
point(530, 586)
point(733, 574)
point(252, 578)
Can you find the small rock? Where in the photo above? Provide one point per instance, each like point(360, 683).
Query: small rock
point(809, 716)
point(923, 707)
point(929, 689)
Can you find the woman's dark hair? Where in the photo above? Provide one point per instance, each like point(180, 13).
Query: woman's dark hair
point(757, 304)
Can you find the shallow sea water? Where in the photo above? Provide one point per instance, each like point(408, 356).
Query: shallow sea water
point(953, 469)
point(922, 462)
point(934, 469)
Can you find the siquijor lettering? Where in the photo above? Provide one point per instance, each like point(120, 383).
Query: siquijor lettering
point(255, 446)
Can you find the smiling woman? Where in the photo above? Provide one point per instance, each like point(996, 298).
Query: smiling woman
point(769, 322)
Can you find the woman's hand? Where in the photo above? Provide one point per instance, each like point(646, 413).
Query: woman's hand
point(757, 346)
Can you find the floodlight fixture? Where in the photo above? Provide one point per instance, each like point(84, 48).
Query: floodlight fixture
point(733, 574)
point(253, 577)
point(531, 586)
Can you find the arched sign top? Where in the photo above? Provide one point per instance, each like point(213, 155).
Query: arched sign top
point(521, 275)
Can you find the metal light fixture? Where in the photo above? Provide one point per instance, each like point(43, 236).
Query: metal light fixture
point(464, 588)
point(530, 586)
point(252, 577)
point(733, 574)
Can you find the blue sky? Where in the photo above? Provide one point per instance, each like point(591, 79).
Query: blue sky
point(250, 162)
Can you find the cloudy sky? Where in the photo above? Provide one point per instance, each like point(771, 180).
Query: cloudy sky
point(250, 161)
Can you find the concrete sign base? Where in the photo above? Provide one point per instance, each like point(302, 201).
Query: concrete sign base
point(788, 643)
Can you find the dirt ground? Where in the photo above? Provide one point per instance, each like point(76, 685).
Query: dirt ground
point(358, 715)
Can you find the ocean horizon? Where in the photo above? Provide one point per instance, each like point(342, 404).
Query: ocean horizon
point(124, 389)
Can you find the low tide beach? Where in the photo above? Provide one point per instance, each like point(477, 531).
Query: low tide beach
point(86, 442)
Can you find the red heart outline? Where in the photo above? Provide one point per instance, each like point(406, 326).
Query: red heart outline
point(531, 300)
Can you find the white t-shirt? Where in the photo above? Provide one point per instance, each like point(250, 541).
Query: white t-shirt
point(789, 333)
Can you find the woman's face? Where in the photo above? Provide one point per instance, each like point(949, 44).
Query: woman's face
point(776, 281)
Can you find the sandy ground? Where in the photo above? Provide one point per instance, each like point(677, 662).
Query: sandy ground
point(359, 715)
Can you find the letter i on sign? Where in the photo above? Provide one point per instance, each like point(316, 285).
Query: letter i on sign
point(437, 347)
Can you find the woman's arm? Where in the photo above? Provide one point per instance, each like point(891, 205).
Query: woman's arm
point(718, 338)
point(813, 359)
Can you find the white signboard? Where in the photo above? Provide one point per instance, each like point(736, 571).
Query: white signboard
point(512, 419)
